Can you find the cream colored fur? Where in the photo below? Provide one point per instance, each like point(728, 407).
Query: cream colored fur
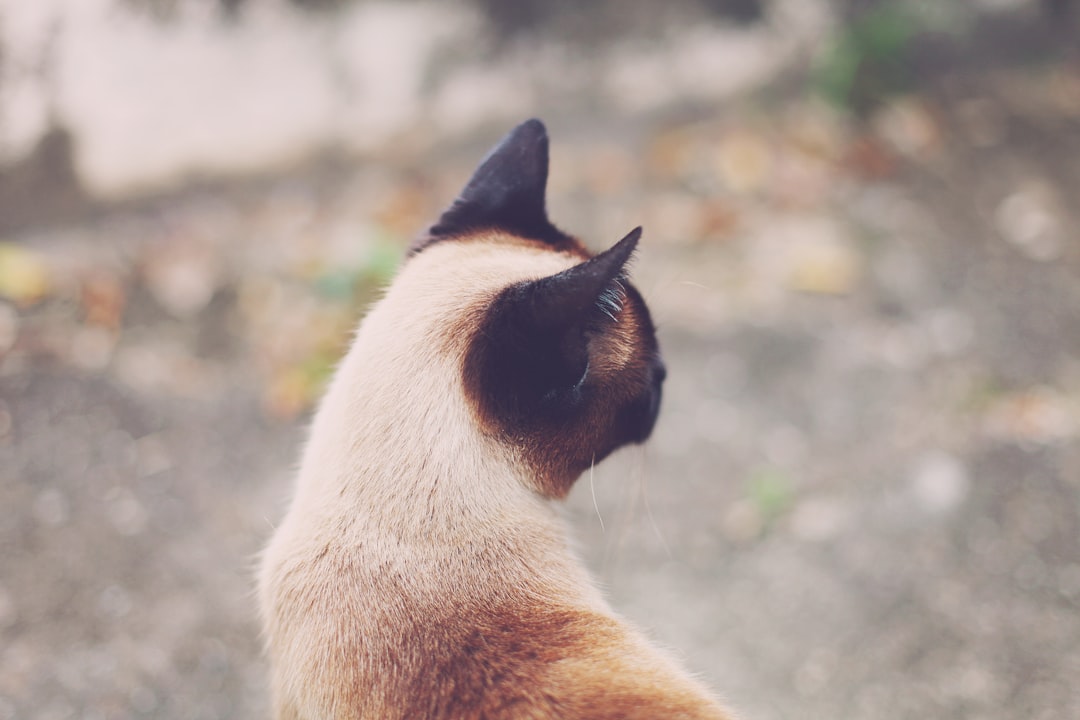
point(402, 504)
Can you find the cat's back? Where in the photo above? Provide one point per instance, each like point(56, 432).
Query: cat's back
point(515, 659)
point(366, 637)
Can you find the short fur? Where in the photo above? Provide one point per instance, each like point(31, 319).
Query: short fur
point(422, 571)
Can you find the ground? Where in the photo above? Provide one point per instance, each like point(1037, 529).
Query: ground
point(862, 499)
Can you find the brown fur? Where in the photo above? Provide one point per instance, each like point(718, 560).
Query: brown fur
point(421, 571)
point(558, 452)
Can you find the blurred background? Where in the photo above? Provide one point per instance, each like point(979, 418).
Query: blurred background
point(861, 245)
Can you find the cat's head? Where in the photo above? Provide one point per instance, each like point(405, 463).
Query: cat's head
point(562, 367)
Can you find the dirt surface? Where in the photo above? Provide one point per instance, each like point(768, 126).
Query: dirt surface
point(862, 499)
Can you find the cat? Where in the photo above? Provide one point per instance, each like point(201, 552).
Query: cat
point(422, 570)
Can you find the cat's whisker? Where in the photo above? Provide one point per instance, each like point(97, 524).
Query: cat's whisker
point(592, 489)
point(615, 547)
point(643, 487)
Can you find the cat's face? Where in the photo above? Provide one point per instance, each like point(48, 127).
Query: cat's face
point(562, 368)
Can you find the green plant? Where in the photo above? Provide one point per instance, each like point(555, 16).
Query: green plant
point(864, 63)
point(771, 492)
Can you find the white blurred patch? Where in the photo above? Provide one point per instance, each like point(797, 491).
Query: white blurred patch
point(150, 102)
point(820, 519)
point(27, 32)
point(940, 482)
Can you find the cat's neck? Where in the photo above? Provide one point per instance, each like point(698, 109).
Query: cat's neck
point(406, 460)
point(372, 456)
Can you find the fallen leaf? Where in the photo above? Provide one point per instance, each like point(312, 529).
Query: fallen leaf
point(288, 394)
point(908, 127)
point(827, 268)
point(669, 155)
point(719, 219)
point(1040, 416)
point(103, 299)
point(868, 158)
point(24, 278)
point(744, 161)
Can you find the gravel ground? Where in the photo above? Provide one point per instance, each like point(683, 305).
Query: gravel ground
point(863, 496)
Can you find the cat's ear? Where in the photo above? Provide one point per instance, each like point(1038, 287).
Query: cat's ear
point(577, 294)
point(507, 192)
point(532, 358)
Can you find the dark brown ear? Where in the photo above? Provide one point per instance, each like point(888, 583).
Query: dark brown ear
point(530, 360)
point(507, 192)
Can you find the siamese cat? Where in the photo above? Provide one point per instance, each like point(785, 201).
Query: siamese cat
point(422, 571)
